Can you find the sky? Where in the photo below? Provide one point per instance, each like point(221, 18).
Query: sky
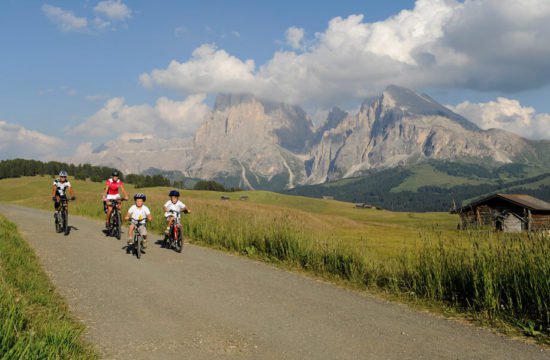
point(74, 74)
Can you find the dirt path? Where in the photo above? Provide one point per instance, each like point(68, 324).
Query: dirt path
point(204, 304)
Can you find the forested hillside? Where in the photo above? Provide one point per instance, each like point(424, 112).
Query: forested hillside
point(435, 186)
point(23, 167)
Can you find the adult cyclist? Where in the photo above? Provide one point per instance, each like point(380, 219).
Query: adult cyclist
point(61, 186)
point(113, 187)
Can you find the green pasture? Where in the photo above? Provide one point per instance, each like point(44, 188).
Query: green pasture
point(382, 232)
point(499, 278)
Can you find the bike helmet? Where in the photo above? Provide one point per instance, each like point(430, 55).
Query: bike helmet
point(115, 173)
point(174, 193)
point(63, 173)
point(140, 196)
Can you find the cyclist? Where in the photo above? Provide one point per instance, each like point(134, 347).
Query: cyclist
point(138, 212)
point(60, 188)
point(173, 204)
point(113, 186)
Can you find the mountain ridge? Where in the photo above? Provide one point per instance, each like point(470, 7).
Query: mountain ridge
point(250, 143)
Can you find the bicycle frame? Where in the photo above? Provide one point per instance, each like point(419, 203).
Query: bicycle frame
point(62, 216)
point(115, 219)
point(175, 235)
point(138, 237)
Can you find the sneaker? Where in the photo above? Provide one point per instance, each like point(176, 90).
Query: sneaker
point(129, 242)
point(144, 244)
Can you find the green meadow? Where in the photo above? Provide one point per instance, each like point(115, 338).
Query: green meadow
point(500, 279)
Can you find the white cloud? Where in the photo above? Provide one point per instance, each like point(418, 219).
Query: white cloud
point(114, 10)
point(294, 37)
point(17, 141)
point(167, 119)
point(506, 114)
point(101, 24)
point(83, 149)
point(481, 45)
point(209, 70)
point(65, 19)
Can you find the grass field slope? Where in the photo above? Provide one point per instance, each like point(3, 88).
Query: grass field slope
point(498, 278)
point(434, 185)
point(34, 321)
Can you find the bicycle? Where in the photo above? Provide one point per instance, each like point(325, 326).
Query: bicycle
point(137, 244)
point(61, 216)
point(115, 221)
point(174, 239)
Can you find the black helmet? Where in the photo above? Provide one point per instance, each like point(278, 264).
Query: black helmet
point(140, 196)
point(115, 173)
point(174, 193)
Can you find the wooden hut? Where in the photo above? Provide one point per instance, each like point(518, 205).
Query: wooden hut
point(506, 212)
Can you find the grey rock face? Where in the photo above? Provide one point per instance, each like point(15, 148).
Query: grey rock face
point(252, 142)
point(401, 127)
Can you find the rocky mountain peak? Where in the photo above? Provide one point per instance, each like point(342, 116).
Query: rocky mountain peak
point(225, 101)
point(405, 102)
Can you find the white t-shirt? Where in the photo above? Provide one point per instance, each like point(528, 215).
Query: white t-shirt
point(178, 206)
point(139, 213)
point(61, 187)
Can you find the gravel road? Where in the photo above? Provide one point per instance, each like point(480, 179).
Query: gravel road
point(205, 304)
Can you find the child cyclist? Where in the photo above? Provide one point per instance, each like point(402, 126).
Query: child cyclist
point(138, 212)
point(174, 204)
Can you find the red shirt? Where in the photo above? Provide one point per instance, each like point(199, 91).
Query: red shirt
point(113, 186)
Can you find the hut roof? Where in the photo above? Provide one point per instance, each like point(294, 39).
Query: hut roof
point(526, 201)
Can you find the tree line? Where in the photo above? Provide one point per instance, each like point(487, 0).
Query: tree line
point(22, 167)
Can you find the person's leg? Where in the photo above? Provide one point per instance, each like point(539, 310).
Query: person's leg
point(130, 234)
point(143, 231)
point(169, 221)
point(109, 211)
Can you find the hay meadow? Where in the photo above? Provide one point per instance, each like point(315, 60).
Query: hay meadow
point(499, 279)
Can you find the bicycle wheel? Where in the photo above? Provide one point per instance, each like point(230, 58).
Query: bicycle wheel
point(137, 245)
point(57, 222)
point(178, 239)
point(65, 222)
point(118, 225)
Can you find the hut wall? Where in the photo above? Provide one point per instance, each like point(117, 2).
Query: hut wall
point(486, 216)
point(512, 224)
point(540, 221)
point(468, 220)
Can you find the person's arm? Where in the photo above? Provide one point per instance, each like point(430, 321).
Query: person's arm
point(53, 191)
point(149, 216)
point(105, 192)
point(186, 210)
point(124, 191)
point(71, 192)
point(127, 217)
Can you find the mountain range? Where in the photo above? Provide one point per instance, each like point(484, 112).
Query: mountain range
point(254, 144)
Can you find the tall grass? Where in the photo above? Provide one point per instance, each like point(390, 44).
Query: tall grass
point(34, 322)
point(503, 276)
point(499, 276)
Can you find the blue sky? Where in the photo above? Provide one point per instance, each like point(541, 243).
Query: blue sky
point(70, 66)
